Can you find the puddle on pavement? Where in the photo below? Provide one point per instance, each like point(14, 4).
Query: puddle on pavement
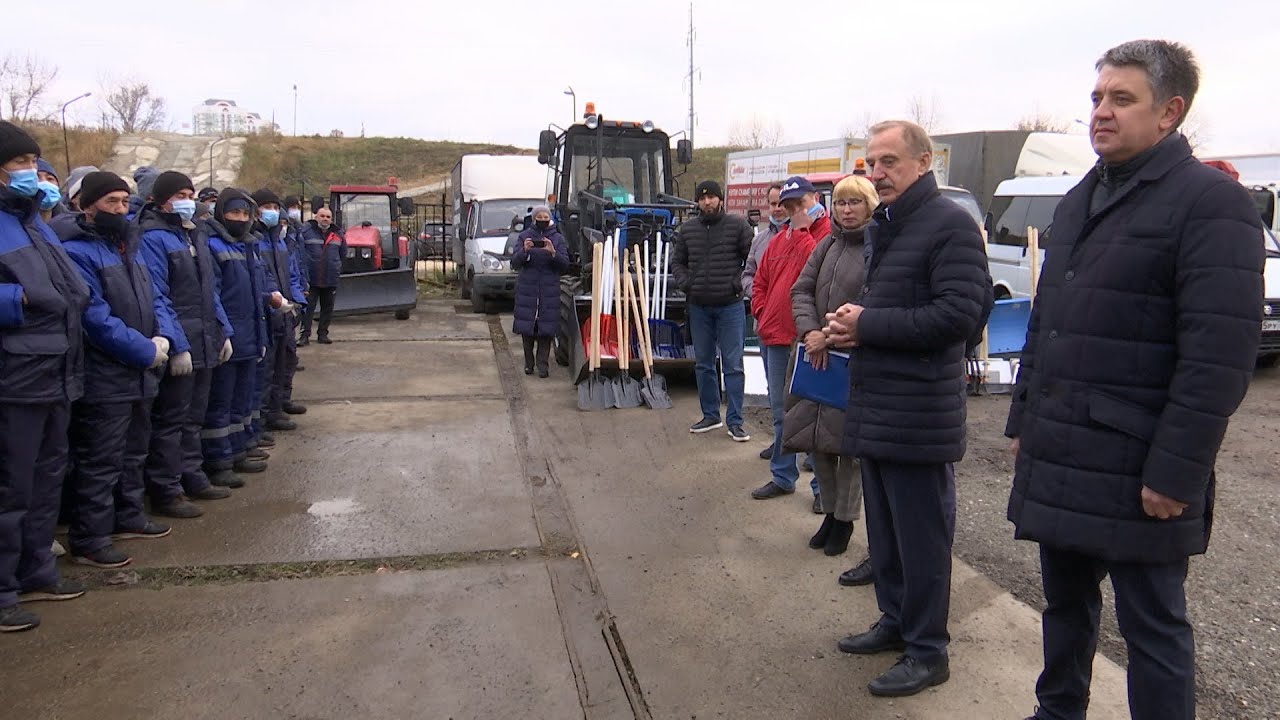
point(333, 508)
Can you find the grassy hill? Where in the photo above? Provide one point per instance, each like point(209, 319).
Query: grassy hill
point(708, 164)
point(283, 163)
point(89, 146)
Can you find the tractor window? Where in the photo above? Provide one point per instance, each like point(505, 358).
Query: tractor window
point(360, 209)
point(630, 168)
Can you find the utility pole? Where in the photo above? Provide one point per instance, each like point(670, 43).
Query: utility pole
point(295, 109)
point(691, 71)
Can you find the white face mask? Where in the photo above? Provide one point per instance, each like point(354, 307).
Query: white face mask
point(295, 214)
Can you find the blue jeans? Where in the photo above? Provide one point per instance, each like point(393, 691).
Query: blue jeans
point(719, 327)
point(777, 426)
point(782, 464)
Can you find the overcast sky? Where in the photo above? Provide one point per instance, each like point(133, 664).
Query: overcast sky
point(496, 70)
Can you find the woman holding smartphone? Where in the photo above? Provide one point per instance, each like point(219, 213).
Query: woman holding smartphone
point(540, 259)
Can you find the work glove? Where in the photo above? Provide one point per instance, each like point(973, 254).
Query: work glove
point(225, 353)
point(180, 364)
point(287, 307)
point(162, 351)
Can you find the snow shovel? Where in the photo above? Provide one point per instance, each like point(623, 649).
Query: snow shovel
point(626, 391)
point(654, 388)
point(594, 392)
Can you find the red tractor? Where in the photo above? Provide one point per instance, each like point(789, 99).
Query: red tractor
point(377, 272)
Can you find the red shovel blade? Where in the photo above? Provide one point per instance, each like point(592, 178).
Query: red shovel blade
point(608, 337)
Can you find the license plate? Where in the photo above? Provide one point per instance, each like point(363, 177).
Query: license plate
point(1271, 326)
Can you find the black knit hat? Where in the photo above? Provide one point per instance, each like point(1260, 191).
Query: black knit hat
point(97, 185)
point(708, 187)
point(265, 197)
point(208, 194)
point(15, 141)
point(292, 201)
point(168, 184)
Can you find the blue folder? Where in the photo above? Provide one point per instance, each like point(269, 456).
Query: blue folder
point(829, 387)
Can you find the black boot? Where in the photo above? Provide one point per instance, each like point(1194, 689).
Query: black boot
point(838, 540)
point(528, 341)
point(542, 357)
point(819, 538)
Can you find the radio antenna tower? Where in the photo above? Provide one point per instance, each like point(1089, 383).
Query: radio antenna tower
point(692, 70)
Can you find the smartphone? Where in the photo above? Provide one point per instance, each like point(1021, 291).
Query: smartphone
point(539, 243)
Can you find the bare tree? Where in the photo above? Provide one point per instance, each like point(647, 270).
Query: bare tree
point(1041, 122)
point(132, 108)
point(756, 132)
point(24, 82)
point(860, 128)
point(1197, 129)
point(925, 112)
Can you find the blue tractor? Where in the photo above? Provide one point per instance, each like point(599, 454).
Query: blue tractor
point(614, 179)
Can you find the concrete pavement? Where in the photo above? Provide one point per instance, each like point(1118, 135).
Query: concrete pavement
point(529, 560)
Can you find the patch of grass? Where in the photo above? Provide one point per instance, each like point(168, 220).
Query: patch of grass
point(437, 284)
point(89, 146)
point(283, 163)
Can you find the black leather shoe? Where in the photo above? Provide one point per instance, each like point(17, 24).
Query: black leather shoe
point(281, 424)
point(293, 408)
point(910, 675)
point(324, 340)
point(767, 453)
point(860, 574)
point(876, 640)
point(817, 504)
point(528, 369)
point(769, 490)
point(838, 539)
point(819, 538)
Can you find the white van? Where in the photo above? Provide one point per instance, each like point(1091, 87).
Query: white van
point(1018, 204)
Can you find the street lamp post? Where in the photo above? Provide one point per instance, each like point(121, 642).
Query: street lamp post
point(295, 110)
point(66, 144)
point(574, 95)
point(212, 184)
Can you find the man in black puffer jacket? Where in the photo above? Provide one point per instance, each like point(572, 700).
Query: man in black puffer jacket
point(1141, 344)
point(710, 252)
point(926, 290)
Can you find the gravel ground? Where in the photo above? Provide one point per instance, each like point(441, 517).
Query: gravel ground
point(1232, 590)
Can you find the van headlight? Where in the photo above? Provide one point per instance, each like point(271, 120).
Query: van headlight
point(492, 263)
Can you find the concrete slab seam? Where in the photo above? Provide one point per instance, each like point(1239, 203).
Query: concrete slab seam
point(160, 577)
point(578, 606)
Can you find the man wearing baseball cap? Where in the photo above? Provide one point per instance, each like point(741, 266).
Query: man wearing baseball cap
point(41, 299)
point(780, 266)
point(709, 254)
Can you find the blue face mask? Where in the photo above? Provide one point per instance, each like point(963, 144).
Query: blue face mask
point(271, 218)
point(186, 209)
point(24, 182)
point(51, 195)
point(815, 211)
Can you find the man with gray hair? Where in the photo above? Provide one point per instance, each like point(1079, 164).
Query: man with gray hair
point(925, 294)
point(1141, 344)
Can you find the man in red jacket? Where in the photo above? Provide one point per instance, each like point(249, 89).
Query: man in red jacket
point(783, 260)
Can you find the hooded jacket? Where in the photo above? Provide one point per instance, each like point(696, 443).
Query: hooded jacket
point(298, 249)
point(783, 260)
point(537, 310)
point(710, 252)
point(181, 269)
point(240, 280)
point(41, 341)
point(123, 314)
point(325, 248)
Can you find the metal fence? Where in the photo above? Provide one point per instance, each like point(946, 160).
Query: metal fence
point(430, 229)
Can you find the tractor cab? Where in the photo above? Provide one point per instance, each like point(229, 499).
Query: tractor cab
point(614, 180)
point(377, 270)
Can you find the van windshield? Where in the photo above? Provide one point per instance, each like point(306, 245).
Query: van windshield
point(1013, 214)
point(496, 215)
